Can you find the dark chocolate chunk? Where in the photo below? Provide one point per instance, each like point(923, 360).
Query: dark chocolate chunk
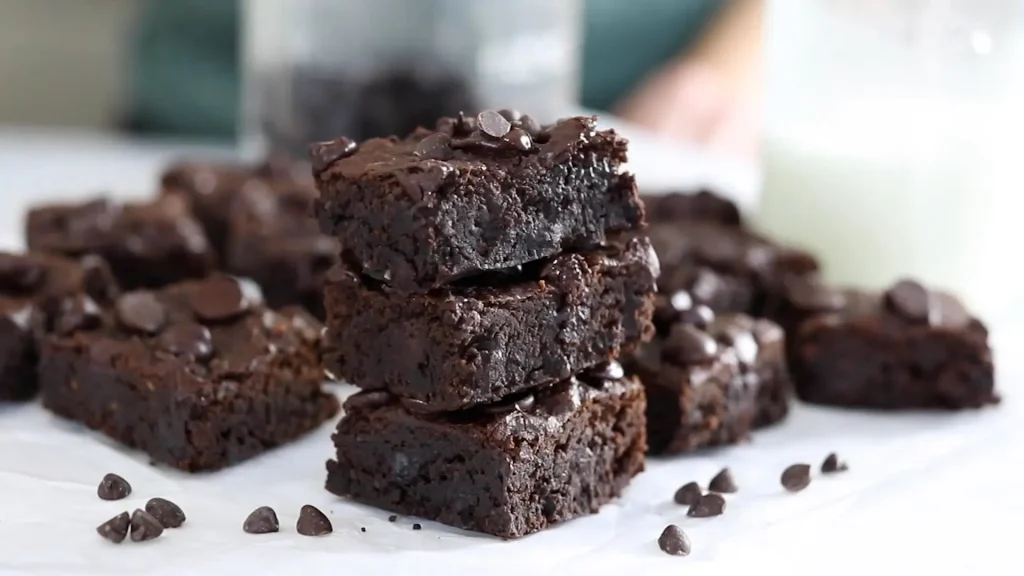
point(219, 298)
point(832, 464)
point(313, 522)
point(796, 477)
point(687, 344)
point(262, 520)
point(711, 504)
point(688, 494)
point(145, 526)
point(113, 487)
point(323, 154)
point(115, 529)
point(674, 541)
point(493, 124)
point(393, 518)
point(723, 482)
point(436, 146)
point(140, 311)
point(169, 514)
point(909, 299)
point(417, 526)
point(189, 339)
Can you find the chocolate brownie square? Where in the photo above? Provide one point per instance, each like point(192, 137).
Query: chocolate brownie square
point(506, 469)
point(907, 347)
point(700, 206)
point(711, 380)
point(475, 195)
point(147, 244)
point(199, 375)
point(477, 344)
point(32, 289)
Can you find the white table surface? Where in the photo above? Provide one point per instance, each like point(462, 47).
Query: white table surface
point(925, 491)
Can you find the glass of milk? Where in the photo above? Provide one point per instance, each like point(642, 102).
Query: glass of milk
point(894, 142)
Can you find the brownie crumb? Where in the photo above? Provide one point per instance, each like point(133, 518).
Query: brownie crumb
point(114, 529)
point(674, 541)
point(723, 482)
point(262, 520)
point(833, 464)
point(710, 505)
point(113, 487)
point(796, 477)
point(313, 522)
point(169, 514)
point(688, 494)
point(393, 518)
point(417, 526)
point(145, 526)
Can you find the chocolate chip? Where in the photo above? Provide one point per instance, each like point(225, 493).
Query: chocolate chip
point(909, 299)
point(140, 311)
point(796, 477)
point(464, 124)
point(417, 526)
point(218, 299)
point(393, 518)
point(810, 296)
point(832, 464)
point(436, 147)
point(947, 310)
point(493, 124)
point(188, 339)
point(518, 139)
point(169, 514)
point(145, 526)
point(312, 522)
point(363, 529)
point(323, 154)
point(528, 123)
point(368, 400)
point(687, 344)
point(510, 115)
point(113, 487)
point(674, 541)
point(262, 520)
point(76, 313)
point(609, 371)
point(710, 505)
point(688, 494)
point(19, 273)
point(723, 482)
point(115, 529)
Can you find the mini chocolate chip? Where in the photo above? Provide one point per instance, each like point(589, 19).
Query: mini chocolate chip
point(833, 464)
point(368, 400)
point(493, 124)
point(312, 522)
point(687, 344)
point(723, 482)
point(710, 505)
point(140, 311)
point(169, 514)
point(189, 339)
point(363, 529)
point(796, 477)
point(262, 520)
point(436, 147)
point(115, 529)
point(519, 139)
point(530, 124)
point(674, 541)
point(417, 526)
point(145, 526)
point(218, 299)
point(510, 114)
point(323, 154)
point(910, 300)
point(113, 487)
point(688, 494)
point(393, 518)
point(76, 313)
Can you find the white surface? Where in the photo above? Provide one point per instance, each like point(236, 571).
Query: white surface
point(927, 491)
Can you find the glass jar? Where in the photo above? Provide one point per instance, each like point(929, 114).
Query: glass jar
point(319, 69)
point(893, 138)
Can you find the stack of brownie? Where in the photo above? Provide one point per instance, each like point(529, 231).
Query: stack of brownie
point(490, 276)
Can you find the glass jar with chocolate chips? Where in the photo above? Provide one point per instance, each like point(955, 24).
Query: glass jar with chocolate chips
point(319, 69)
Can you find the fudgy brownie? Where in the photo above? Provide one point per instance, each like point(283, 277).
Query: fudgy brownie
point(147, 244)
point(506, 469)
point(479, 343)
point(908, 347)
point(699, 206)
point(199, 375)
point(32, 288)
point(475, 195)
point(710, 380)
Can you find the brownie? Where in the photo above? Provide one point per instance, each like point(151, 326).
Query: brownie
point(32, 288)
point(474, 195)
point(907, 347)
point(199, 375)
point(699, 206)
point(476, 344)
point(506, 469)
point(711, 379)
point(147, 244)
point(273, 240)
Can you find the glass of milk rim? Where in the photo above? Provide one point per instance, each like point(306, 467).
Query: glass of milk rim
point(894, 143)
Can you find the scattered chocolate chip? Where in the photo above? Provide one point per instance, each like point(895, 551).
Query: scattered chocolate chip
point(674, 541)
point(832, 464)
point(189, 339)
point(393, 518)
point(519, 139)
point(323, 154)
point(723, 482)
point(528, 123)
point(363, 529)
point(710, 505)
point(113, 487)
point(417, 526)
point(464, 124)
point(219, 298)
point(436, 146)
point(812, 296)
point(169, 514)
point(313, 522)
point(141, 311)
point(796, 477)
point(688, 494)
point(909, 299)
point(510, 114)
point(262, 520)
point(688, 344)
point(145, 526)
point(493, 124)
point(115, 529)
